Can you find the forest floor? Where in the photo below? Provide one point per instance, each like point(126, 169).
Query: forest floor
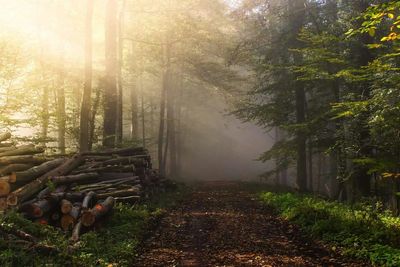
point(224, 224)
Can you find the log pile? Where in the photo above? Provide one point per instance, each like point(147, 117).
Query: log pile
point(73, 193)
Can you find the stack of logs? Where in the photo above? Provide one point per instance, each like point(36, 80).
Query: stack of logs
point(73, 193)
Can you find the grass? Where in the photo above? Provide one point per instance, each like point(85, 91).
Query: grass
point(362, 231)
point(114, 244)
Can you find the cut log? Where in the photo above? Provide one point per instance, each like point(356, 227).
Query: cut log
point(24, 150)
point(33, 173)
point(3, 204)
point(129, 199)
point(42, 206)
point(137, 161)
point(79, 178)
point(66, 206)
point(69, 220)
point(8, 178)
point(5, 136)
point(35, 186)
point(108, 169)
point(7, 148)
point(100, 210)
point(24, 159)
point(6, 144)
point(88, 200)
point(133, 191)
point(121, 152)
point(72, 196)
point(5, 188)
point(76, 232)
point(9, 169)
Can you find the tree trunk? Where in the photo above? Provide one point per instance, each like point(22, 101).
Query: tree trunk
point(110, 94)
point(164, 89)
point(119, 126)
point(87, 89)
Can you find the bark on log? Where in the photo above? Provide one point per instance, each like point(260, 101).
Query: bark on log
point(137, 161)
point(134, 191)
point(6, 144)
point(9, 169)
point(88, 200)
point(43, 206)
point(121, 152)
point(24, 159)
point(76, 232)
point(3, 204)
point(25, 150)
point(72, 196)
point(79, 178)
point(108, 169)
point(5, 149)
point(33, 187)
point(5, 136)
point(33, 173)
point(100, 210)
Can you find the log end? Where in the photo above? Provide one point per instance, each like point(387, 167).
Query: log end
point(4, 188)
point(88, 218)
point(12, 199)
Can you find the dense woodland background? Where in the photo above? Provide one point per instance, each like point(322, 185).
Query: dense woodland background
point(320, 76)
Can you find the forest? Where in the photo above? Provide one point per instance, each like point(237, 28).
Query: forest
point(144, 133)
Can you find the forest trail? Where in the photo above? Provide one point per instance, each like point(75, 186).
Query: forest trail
point(223, 224)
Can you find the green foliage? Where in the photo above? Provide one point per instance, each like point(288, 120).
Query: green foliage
point(363, 231)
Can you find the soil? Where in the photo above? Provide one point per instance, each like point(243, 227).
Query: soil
point(224, 224)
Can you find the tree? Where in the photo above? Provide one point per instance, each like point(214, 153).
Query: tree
point(87, 90)
point(110, 90)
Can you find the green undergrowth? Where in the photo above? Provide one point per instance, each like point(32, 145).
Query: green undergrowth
point(114, 243)
point(362, 231)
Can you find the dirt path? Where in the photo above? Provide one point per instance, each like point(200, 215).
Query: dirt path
point(222, 225)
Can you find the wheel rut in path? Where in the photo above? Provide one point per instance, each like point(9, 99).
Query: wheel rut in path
point(222, 224)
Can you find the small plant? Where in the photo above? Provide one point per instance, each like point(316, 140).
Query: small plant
point(363, 231)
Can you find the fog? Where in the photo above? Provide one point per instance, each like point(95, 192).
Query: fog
point(219, 146)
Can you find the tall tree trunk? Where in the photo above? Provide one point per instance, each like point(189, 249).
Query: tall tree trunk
point(134, 100)
point(164, 89)
point(171, 130)
point(87, 89)
point(143, 115)
point(45, 115)
point(110, 92)
point(61, 116)
point(92, 125)
point(297, 18)
point(119, 126)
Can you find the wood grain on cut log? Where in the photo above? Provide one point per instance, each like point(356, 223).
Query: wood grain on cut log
point(9, 169)
point(8, 178)
point(35, 186)
point(5, 136)
point(34, 172)
point(23, 159)
point(5, 188)
point(23, 150)
point(66, 206)
point(99, 210)
point(69, 220)
point(78, 178)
